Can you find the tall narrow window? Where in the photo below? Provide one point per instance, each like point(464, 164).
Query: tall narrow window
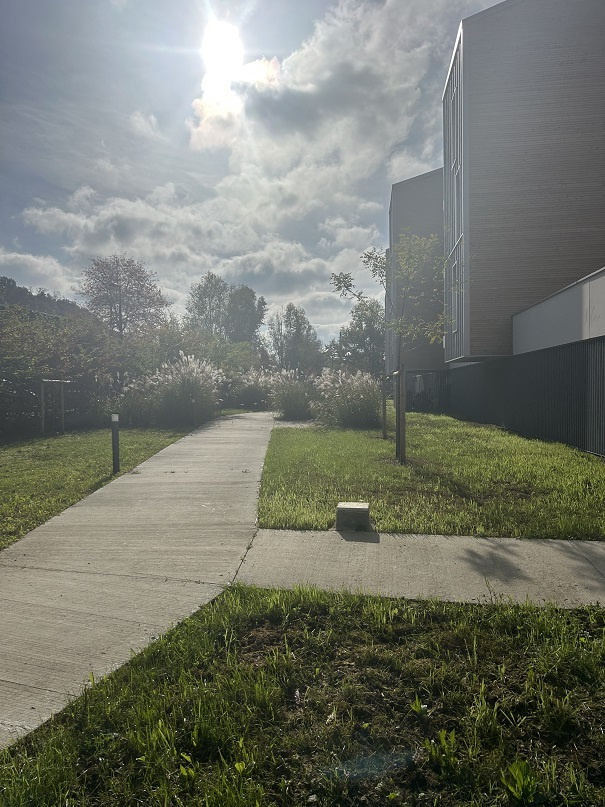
point(458, 205)
point(454, 296)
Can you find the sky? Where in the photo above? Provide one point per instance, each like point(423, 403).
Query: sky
point(257, 139)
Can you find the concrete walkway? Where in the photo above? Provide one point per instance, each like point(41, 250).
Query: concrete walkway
point(102, 579)
point(453, 568)
point(84, 591)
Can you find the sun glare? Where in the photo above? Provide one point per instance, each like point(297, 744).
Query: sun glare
point(222, 52)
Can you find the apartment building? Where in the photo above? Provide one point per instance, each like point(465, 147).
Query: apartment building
point(417, 206)
point(524, 165)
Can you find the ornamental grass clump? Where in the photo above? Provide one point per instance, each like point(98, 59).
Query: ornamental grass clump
point(182, 394)
point(347, 400)
point(291, 395)
point(251, 389)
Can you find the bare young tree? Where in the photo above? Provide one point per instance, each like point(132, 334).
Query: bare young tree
point(123, 294)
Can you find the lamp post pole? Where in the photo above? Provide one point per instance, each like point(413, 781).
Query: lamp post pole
point(115, 442)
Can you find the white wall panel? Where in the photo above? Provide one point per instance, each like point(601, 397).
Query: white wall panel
point(572, 315)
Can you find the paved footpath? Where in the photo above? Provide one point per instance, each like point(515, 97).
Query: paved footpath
point(102, 579)
point(453, 568)
point(84, 591)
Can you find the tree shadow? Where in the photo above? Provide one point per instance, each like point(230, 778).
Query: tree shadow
point(500, 561)
point(504, 561)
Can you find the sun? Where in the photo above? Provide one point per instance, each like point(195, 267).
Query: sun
point(222, 52)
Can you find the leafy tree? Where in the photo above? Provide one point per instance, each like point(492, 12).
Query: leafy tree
point(416, 313)
point(419, 313)
point(34, 345)
point(360, 345)
point(415, 309)
point(231, 312)
point(207, 304)
point(12, 294)
point(293, 341)
point(245, 314)
point(123, 294)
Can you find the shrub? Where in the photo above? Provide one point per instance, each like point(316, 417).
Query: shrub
point(347, 401)
point(291, 395)
point(251, 389)
point(183, 394)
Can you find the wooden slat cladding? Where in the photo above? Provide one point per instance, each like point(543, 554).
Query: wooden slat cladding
point(533, 158)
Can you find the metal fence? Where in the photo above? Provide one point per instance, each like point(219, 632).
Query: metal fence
point(427, 390)
point(553, 394)
point(27, 410)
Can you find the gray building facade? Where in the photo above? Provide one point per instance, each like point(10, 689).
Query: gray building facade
point(417, 206)
point(524, 165)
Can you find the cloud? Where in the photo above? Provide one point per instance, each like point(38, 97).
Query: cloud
point(36, 271)
point(81, 199)
point(109, 173)
point(145, 125)
point(285, 175)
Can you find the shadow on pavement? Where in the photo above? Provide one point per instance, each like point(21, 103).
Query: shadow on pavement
point(359, 537)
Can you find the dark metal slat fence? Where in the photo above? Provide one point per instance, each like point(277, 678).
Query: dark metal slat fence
point(553, 394)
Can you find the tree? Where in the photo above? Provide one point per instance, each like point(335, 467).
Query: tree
point(293, 341)
point(231, 312)
point(123, 294)
point(418, 313)
point(245, 314)
point(374, 261)
point(360, 345)
point(415, 310)
point(34, 345)
point(415, 303)
point(12, 294)
point(207, 304)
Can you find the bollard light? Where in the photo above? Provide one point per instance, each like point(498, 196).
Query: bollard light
point(115, 442)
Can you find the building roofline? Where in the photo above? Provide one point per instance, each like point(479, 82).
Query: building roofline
point(455, 49)
point(416, 177)
point(495, 9)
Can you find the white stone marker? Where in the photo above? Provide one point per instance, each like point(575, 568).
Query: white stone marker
point(353, 516)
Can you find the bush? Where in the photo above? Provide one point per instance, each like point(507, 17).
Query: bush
point(347, 401)
point(291, 395)
point(182, 394)
point(251, 390)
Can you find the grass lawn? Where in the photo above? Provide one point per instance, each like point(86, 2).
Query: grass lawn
point(39, 478)
point(461, 478)
point(296, 698)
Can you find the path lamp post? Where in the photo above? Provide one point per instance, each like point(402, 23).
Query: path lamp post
point(400, 389)
point(383, 392)
point(115, 442)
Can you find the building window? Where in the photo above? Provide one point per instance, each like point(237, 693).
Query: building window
point(454, 296)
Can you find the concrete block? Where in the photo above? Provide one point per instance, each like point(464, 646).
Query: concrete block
point(353, 516)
